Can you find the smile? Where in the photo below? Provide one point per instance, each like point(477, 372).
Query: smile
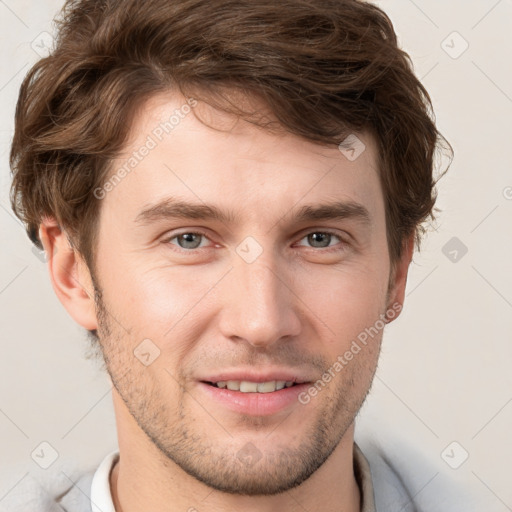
point(245, 386)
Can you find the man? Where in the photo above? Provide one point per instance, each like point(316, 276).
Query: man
point(229, 195)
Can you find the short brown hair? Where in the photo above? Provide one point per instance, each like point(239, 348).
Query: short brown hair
point(324, 69)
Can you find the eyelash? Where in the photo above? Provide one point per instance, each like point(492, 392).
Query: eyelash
point(167, 240)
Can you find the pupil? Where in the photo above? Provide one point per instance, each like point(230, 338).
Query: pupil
point(314, 238)
point(189, 239)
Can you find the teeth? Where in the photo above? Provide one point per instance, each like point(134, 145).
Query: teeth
point(234, 385)
point(248, 387)
point(266, 387)
point(245, 386)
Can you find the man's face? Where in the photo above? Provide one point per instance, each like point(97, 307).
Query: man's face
point(258, 296)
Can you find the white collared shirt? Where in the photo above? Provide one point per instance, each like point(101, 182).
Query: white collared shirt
point(101, 496)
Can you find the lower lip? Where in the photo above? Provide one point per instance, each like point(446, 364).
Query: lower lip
point(256, 404)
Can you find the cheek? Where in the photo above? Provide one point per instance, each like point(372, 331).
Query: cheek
point(346, 300)
point(158, 301)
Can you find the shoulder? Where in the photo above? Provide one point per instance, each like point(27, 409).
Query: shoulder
point(406, 479)
point(56, 493)
point(390, 490)
point(78, 496)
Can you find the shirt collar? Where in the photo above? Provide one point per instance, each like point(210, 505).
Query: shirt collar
point(363, 477)
point(101, 497)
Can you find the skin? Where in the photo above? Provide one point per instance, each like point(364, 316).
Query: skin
point(299, 305)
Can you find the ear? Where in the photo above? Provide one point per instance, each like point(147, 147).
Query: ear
point(69, 274)
point(398, 278)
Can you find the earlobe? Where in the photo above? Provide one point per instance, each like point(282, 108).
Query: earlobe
point(69, 274)
point(398, 281)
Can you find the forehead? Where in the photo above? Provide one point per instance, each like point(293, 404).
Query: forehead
point(226, 160)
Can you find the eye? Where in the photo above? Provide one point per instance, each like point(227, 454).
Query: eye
point(190, 240)
point(321, 239)
point(187, 240)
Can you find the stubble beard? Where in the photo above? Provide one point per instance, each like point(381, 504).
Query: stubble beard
point(183, 440)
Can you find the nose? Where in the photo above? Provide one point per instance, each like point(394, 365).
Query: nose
point(259, 304)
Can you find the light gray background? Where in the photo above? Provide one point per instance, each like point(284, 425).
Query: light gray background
point(444, 374)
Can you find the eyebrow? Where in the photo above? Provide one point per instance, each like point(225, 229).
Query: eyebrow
point(172, 208)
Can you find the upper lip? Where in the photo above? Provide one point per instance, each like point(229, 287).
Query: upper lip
point(286, 375)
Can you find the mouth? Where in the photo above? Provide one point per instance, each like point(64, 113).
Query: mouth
point(261, 398)
point(245, 386)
